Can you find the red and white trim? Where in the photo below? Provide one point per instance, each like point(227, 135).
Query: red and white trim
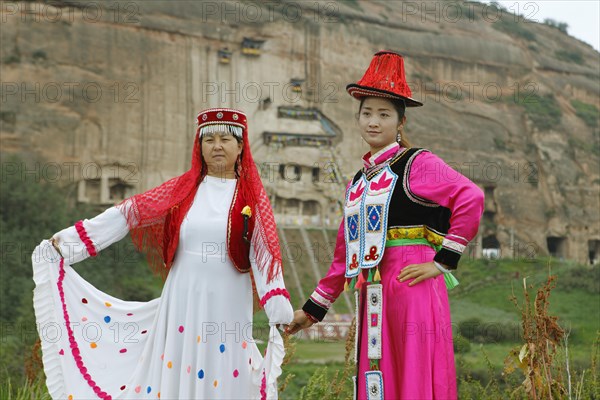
point(272, 293)
point(452, 245)
point(458, 239)
point(321, 300)
point(89, 245)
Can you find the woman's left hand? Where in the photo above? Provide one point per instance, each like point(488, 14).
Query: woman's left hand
point(418, 272)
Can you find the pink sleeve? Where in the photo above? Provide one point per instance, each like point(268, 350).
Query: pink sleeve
point(430, 179)
point(330, 287)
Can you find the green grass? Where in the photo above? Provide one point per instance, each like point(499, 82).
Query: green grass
point(320, 352)
point(27, 391)
point(302, 372)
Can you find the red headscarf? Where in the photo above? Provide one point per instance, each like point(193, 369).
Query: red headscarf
point(154, 217)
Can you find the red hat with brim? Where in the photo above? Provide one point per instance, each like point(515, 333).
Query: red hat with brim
point(386, 78)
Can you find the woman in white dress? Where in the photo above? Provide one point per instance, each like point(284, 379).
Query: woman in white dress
point(211, 232)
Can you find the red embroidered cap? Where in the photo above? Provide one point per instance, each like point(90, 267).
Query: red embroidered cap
point(385, 77)
point(215, 120)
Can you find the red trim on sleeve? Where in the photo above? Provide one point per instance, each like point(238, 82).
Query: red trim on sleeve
point(272, 293)
point(85, 238)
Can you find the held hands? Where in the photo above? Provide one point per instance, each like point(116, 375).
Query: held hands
point(418, 273)
point(301, 321)
point(279, 311)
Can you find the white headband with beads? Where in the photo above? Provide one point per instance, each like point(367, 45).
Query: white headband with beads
point(212, 129)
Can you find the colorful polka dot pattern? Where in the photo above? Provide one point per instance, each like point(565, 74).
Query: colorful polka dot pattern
point(107, 319)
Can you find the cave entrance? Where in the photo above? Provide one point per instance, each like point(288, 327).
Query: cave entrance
point(594, 251)
point(491, 247)
point(557, 246)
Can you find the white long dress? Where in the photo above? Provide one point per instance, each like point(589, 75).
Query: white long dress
point(194, 342)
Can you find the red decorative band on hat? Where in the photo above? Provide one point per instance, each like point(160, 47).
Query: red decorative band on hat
point(359, 92)
point(216, 120)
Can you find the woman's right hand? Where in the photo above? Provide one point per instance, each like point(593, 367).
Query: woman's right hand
point(56, 246)
point(301, 321)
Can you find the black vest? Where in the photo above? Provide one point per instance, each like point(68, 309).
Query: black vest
point(406, 208)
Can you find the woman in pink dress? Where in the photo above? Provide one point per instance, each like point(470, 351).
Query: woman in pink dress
point(407, 219)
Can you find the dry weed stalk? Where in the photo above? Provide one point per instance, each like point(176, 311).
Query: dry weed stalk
point(290, 351)
point(33, 362)
point(542, 335)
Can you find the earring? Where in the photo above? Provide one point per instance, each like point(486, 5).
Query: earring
point(399, 137)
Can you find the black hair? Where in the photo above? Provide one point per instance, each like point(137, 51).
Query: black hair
point(398, 104)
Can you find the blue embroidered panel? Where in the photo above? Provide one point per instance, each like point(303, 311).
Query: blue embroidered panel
point(374, 217)
point(353, 227)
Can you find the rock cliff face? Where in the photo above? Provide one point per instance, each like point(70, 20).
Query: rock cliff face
point(105, 94)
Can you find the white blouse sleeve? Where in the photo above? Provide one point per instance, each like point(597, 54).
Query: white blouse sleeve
point(88, 237)
point(273, 295)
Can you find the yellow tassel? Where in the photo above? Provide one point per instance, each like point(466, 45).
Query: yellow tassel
point(346, 286)
point(377, 277)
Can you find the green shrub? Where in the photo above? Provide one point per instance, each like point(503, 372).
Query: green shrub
point(561, 26)
point(582, 278)
point(479, 331)
point(543, 111)
point(587, 112)
point(461, 344)
point(507, 24)
point(39, 54)
point(569, 56)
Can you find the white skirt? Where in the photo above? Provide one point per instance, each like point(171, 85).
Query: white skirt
point(194, 342)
